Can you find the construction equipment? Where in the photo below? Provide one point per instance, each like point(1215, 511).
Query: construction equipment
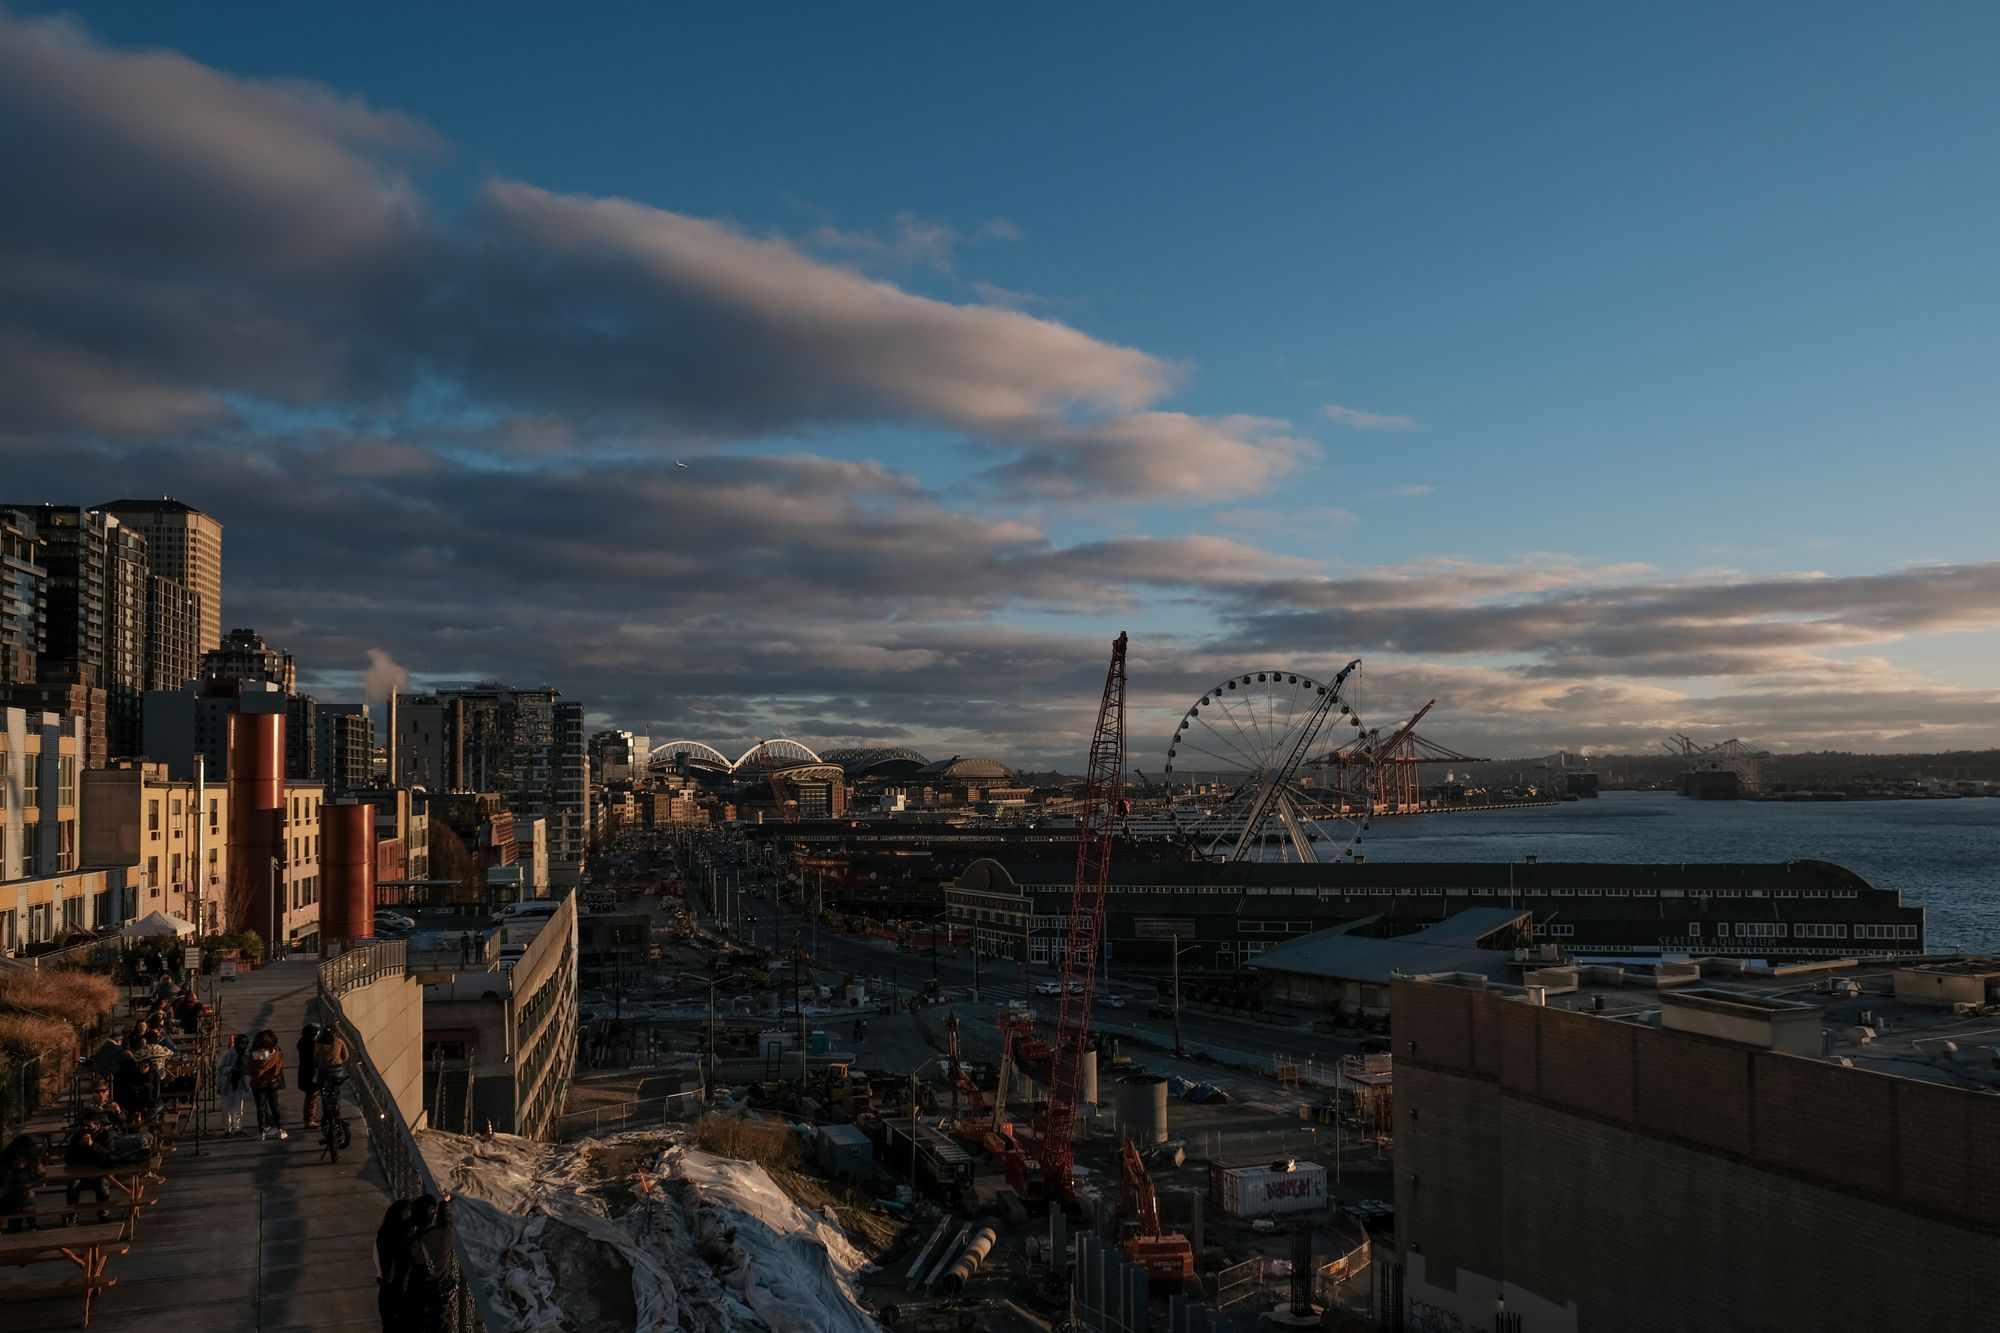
point(980, 1125)
point(1167, 1257)
point(788, 809)
point(1096, 822)
point(1390, 769)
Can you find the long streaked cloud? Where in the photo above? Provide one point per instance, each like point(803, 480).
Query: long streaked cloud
point(453, 429)
point(1359, 420)
point(236, 242)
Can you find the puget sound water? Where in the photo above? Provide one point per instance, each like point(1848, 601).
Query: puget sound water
point(1943, 854)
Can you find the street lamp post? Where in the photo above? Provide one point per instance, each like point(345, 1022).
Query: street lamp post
point(277, 910)
point(1178, 951)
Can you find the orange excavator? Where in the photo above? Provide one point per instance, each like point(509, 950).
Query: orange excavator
point(1024, 1173)
point(1167, 1258)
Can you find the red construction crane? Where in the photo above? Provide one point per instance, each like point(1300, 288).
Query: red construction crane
point(1167, 1257)
point(788, 809)
point(1097, 819)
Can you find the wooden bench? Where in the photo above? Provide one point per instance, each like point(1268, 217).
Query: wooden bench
point(88, 1248)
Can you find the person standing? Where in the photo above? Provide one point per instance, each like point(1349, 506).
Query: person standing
point(390, 1238)
point(267, 1078)
point(233, 1072)
point(308, 1071)
point(426, 1278)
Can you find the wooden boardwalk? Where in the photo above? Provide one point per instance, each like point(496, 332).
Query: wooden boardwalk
point(247, 1234)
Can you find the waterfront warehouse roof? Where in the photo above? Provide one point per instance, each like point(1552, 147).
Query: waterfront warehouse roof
point(1450, 946)
point(956, 769)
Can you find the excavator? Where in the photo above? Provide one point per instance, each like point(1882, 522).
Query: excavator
point(1167, 1258)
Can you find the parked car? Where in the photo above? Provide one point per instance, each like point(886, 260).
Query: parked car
point(1114, 1001)
point(1074, 988)
point(1160, 1011)
point(1048, 988)
point(386, 920)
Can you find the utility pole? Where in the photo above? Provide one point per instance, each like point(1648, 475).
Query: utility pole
point(1176, 942)
point(798, 966)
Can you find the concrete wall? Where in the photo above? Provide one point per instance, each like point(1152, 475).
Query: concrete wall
point(1662, 1181)
point(388, 1015)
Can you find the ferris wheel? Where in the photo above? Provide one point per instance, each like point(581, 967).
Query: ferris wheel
point(1251, 734)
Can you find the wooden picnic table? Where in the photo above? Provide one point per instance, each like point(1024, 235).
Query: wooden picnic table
point(88, 1247)
point(129, 1178)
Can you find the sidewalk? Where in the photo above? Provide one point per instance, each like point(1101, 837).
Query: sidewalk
point(248, 1234)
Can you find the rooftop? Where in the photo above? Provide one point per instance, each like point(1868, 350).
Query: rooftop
point(1862, 1023)
point(1453, 945)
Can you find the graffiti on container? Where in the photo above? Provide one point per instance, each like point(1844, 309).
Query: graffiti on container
point(1292, 1187)
point(1428, 1318)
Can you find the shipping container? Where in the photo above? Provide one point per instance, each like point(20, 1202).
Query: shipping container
point(1262, 1191)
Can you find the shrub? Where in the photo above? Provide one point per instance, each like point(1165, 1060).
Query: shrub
point(25, 1036)
point(78, 998)
point(768, 1143)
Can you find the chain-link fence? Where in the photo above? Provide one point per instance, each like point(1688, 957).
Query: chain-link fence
point(652, 1113)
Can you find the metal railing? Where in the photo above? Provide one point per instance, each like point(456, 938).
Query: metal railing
point(653, 1112)
point(90, 953)
point(361, 965)
point(389, 1138)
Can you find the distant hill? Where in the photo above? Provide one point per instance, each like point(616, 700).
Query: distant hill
point(1832, 767)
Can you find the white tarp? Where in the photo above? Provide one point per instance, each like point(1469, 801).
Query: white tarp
point(157, 923)
point(705, 1243)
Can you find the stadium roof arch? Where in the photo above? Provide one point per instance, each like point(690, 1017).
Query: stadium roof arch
point(698, 753)
point(782, 750)
point(959, 769)
point(876, 762)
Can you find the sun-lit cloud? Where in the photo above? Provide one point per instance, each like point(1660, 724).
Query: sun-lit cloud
point(443, 440)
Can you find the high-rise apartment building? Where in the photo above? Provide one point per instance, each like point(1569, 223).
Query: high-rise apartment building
point(185, 546)
point(244, 655)
point(526, 745)
point(344, 745)
point(95, 617)
point(173, 629)
point(21, 581)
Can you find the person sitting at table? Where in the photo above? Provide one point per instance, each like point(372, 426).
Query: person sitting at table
point(164, 988)
point(21, 1170)
point(132, 1080)
point(102, 1103)
point(188, 1011)
point(86, 1148)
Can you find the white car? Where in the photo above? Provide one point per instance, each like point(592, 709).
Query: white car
point(1048, 988)
point(1074, 988)
point(1115, 1001)
point(393, 921)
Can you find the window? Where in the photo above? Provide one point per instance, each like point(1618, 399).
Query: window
point(38, 923)
point(1694, 930)
point(31, 781)
point(153, 815)
point(177, 807)
point(1906, 932)
point(10, 923)
point(214, 814)
point(1816, 930)
point(175, 876)
point(66, 780)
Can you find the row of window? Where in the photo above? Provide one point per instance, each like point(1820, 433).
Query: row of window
point(1463, 892)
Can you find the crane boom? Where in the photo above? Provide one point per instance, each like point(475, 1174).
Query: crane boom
point(1096, 821)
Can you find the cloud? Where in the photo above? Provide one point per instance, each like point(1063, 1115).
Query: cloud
point(241, 248)
point(1359, 420)
point(1290, 520)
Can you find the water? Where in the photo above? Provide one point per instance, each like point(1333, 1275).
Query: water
point(1943, 855)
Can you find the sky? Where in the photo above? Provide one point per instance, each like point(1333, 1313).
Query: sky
point(858, 373)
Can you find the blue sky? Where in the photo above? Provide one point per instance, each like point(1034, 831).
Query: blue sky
point(1700, 290)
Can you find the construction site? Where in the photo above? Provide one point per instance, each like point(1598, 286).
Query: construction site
point(1013, 1155)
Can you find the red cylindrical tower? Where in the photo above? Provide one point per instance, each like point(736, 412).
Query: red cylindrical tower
point(347, 869)
point(256, 821)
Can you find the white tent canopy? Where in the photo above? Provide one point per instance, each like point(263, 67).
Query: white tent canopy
point(157, 923)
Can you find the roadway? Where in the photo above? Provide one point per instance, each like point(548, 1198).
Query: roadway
point(764, 922)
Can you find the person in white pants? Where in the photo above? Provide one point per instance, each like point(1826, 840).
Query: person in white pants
point(235, 1080)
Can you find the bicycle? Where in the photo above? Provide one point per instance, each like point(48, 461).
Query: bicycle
point(334, 1133)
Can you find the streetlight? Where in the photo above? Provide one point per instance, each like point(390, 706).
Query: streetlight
point(1178, 951)
point(708, 1070)
point(913, 1121)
